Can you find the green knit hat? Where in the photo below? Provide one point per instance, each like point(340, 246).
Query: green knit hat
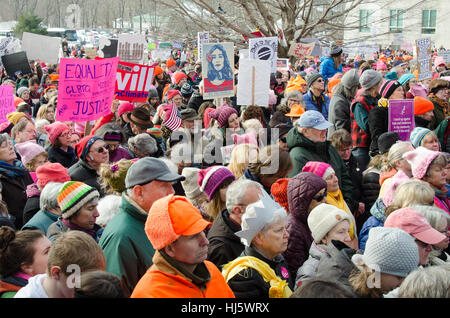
point(73, 196)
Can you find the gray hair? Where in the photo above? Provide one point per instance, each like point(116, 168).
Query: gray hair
point(433, 214)
point(49, 196)
point(41, 123)
point(4, 137)
point(428, 282)
point(293, 93)
point(237, 190)
point(144, 144)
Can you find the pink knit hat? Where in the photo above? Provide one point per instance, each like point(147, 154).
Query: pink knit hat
point(388, 194)
point(206, 117)
point(439, 60)
point(249, 138)
point(51, 172)
point(420, 159)
point(28, 150)
point(222, 114)
point(321, 169)
point(55, 130)
point(125, 107)
point(210, 179)
point(381, 66)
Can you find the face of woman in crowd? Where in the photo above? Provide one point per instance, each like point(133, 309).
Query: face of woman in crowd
point(442, 94)
point(424, 251)
point(25, 95)
point(177, 100)
point(217, 59)
point(338, 233)
point(437, 176)
point(233, 121)
point(430, 142)
point(65, 138)
point(275, 239)
point(292, 101)
point(7, 152)
point(399, 93)
point(41, 249)
point(39, 161)
point(86, 217)
point(442, 227)
point(345, 152)
point(389, 282)
point(383, 72)
point(98, 152)
point(332, 182)
point(404, 166)
point(74, 139)
point(50, 114)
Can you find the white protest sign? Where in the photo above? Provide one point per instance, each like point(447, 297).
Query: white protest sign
point(265, 49)
point(445, 55)
point(202, 37)
point(283, 64)
point(226, 153)
point(161, 54)
point(253, 82)
point(423, 52)
point(244, 54)
point(44, 48)
point(131, 48)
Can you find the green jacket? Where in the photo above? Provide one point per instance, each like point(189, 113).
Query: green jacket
point(127, 249)
point(302, 150)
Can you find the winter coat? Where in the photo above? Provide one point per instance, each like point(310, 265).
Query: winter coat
point(224, 246)
point(370, 187)
point(327, 68)
point(249, 283)
point(33, 202)
point(376, 220)
point(82, 171)
point(300, 191)
point(339, 113)
point(443, 133)
point(196, 100)
point(336, 265)
point(302, 150)
point(378, 123)
point(41, 221)
point(163, 280)
point(421, 122)
point(311, 104)
point(309, 268)
point(127, 250)
point(67, 159)
point(10, 285)
point(439, 112)
point(359, 112)
point(355, 173)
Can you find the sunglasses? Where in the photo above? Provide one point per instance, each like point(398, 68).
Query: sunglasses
point(320, 196)
point(102, 149)
point(283, 139)
point(320, 80)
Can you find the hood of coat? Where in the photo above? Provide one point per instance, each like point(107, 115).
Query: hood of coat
point(378, 210)
point(300, 191)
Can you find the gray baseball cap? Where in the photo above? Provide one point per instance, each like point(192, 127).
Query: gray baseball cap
point(148, 169)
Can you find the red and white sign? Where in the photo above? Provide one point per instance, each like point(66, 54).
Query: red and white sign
point(300, 50)
point(133, 82)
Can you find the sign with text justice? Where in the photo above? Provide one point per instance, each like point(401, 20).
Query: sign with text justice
point(133, 82)
point(86, 88)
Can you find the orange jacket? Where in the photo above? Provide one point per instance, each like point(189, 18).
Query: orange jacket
point(162, 280)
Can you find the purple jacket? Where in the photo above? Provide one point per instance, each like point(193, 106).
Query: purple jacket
point(300, 191)
point(119, 153)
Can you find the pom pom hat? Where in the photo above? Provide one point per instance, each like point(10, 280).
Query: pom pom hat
point(222, 114)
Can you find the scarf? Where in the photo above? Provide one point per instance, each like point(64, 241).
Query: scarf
point(337, 199)
point(12, 171)
point(318, 100)
point(279, 288)
point(75, 227)
point(440, 199)
point(440, 102)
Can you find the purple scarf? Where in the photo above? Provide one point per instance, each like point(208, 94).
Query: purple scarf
point(75, 227)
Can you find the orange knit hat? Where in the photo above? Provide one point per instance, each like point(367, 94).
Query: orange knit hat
point(422, 105)
point(158, 70)
point(279, 192)
point(171, 217)
point(170, 62)
point(296, 111)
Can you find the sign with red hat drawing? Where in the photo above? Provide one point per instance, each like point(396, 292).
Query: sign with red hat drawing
point(300, 50)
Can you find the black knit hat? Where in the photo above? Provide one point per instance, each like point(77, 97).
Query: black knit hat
point(386, 140)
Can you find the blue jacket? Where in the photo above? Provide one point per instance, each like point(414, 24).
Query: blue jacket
point(41, 221)
point(376, 220)
point(311, 104)
point(327, 69)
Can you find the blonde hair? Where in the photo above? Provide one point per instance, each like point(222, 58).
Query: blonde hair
point(409, 193)
point(75, 247)
point(43, 110)
point(240, 157)
point(358, 280)
point(395, 154)
point(31, 165)
point(215, 206)
point(113, 182)
point(252, 124)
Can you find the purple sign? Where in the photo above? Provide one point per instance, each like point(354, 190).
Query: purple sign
point(401, 117)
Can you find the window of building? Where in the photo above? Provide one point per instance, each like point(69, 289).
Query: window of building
point(364, 16)
point(396, 21)
point(428, 21)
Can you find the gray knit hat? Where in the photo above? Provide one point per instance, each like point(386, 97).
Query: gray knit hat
point(312, 77)
point(369, 79)
point(389, 251)
point(335, 49)
point(350, 79)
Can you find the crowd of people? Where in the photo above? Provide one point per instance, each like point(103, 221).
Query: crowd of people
point(317, 198)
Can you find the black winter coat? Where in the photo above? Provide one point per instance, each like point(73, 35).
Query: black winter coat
point(224, 245)
point(421, 122)
point(378, 124)
point(81, 171)
point(31, 208)
point(248, 283)
point(370, 188)
point(67, 159)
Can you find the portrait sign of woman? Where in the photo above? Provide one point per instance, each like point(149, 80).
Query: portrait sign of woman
point(219, 81)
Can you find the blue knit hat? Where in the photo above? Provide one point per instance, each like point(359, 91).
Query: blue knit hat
point(404, 78)
point(417, 135)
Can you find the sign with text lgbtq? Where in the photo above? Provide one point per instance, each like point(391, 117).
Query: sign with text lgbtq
point(423, 51)
point(6, 102)
point(265, 49)
point(133, 82)
point(86, 88)
point(401, 117)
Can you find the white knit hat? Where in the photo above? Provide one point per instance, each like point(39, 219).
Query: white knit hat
point(390, 251)
point(323, 218)
point(190, 184)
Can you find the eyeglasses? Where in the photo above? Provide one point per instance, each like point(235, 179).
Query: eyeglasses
point(101, 149)
point(320, 196)
point(319, 80)
point(283, 139)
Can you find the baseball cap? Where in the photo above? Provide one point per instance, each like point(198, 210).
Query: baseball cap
point(148, 169)
point(415, 224)
point(314, 119)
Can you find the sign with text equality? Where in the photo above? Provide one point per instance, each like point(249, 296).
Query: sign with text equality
point(423, 49)
point(6, 102)
point(300, 50)
point(44, 48)
point(401, 117)
point(265, 49)
point(133, 82)
point(86, 88)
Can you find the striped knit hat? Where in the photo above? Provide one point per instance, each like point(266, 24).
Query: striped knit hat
point(210, 179)
point(417, 135)
point(73, 196)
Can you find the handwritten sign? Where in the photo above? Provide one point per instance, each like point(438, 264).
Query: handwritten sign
point(401, 117)
point(445, 55)
point(265, 49)
point(160, 54)
point(86, 88)
point(202, 37)
point(300, 50)
point(133, 82)
point(6, 102)
point(423, 51)
point(9, 45)
point(131, 48)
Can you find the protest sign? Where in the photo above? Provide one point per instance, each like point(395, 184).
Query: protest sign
point(160, 54)
point(107, 48)
point(131, 47)
point(283, 64)
point(265, 49)
point(133, 81)
point(423, 53)
point(445, 55)
point(164, 45)
point(217, 70)
point(226, 153)
point(177, 45)
point(6, 102)
point(86, 88)
point(44, 48)
point(16, 62)
point(254, 82)
point(9, 45)
point(300, 50)
point(401, 117)
point(151, 46)
point(317, 50)
point(202, 37)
